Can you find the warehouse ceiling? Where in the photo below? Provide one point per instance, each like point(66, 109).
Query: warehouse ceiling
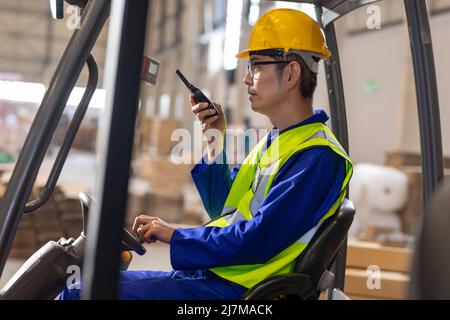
point(32, 42)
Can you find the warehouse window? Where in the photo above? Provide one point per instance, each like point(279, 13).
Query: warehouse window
point(178, 21)
point(206, 23)
point(164, 106)
point(252, 11)
point(220, 10)
point(162, 22)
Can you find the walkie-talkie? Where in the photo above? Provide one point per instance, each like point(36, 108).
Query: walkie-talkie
point(199, 96)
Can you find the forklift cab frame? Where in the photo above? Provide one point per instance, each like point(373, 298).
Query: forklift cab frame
point(128, 21)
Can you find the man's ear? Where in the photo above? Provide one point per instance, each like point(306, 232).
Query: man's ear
point(294, 74)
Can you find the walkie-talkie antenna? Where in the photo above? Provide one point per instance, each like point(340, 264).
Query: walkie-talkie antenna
point(199, 96)
point(182, 77)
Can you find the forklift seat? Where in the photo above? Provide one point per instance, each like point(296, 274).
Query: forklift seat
point(311, 274)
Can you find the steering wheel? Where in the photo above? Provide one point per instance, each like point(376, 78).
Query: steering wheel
point(129, 242)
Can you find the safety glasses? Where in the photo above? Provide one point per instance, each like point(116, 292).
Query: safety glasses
point(254, 69)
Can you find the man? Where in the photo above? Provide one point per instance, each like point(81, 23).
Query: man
point(267, 209)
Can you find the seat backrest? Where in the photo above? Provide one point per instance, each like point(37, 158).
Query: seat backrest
point(323, 247)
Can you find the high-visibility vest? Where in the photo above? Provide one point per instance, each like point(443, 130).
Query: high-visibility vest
point(252, 185)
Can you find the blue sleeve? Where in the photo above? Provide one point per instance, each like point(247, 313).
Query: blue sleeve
point(213, 182)
point(307, 185)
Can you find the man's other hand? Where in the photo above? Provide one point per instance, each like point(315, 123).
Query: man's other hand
point(150, 229)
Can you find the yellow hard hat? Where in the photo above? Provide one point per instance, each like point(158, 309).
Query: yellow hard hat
point(286, 29)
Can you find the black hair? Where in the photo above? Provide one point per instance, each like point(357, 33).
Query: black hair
point(308, 81)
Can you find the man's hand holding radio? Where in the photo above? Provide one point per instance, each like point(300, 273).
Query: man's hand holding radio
point(209, 121)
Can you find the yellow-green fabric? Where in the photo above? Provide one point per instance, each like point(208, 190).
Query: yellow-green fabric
point(238, 202)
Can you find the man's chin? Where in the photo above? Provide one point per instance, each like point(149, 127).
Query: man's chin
point(254, 107)
point(257, 108)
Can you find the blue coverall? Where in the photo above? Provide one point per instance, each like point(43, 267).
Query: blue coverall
point(301, 194)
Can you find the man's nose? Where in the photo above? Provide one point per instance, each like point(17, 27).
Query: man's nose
point(247, 79)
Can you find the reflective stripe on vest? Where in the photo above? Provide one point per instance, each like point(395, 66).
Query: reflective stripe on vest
point(252, 186)
point(262, 176)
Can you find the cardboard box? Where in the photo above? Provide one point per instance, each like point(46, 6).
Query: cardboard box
point(41, 224)
point(161, 133)
point(193, 210)
point(361, 254)
point(21, 253)
point(168, 206)
point(413, 209)
point(2, 190)
point(136, 205)
point(393, 285)
point(71, 232)
point(26, 222)
point(70, 216)
point(389, 277)
point(25, 239)
point(400, 159)
point(49, 234)
point(165, 204)
point(163, 175)
point(390, 269)
point(69, 205)
point(144, 134)
point(57, 218)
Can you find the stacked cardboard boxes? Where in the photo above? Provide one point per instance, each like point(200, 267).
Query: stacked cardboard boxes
point(62, 217)
point(25, 242)
point(59, 217)
point(85, 138)
point(400, 159)
point(164, 175)
point(137, 204)
point(377, 272)
point(70, 216)
point(166, 205)
point(193, 209)
point(2, 190)
point(166, 179)
point(166, 197)
point(167, 183)
point(161, 133)
point(144, 134)
point(172, 208)
point(154, 134)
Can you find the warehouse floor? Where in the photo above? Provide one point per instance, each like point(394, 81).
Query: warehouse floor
point(156, 258)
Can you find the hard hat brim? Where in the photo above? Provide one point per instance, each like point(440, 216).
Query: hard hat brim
point(243, 54)
point(246, 54)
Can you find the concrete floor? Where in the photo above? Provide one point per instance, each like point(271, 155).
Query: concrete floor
point(156, 258)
